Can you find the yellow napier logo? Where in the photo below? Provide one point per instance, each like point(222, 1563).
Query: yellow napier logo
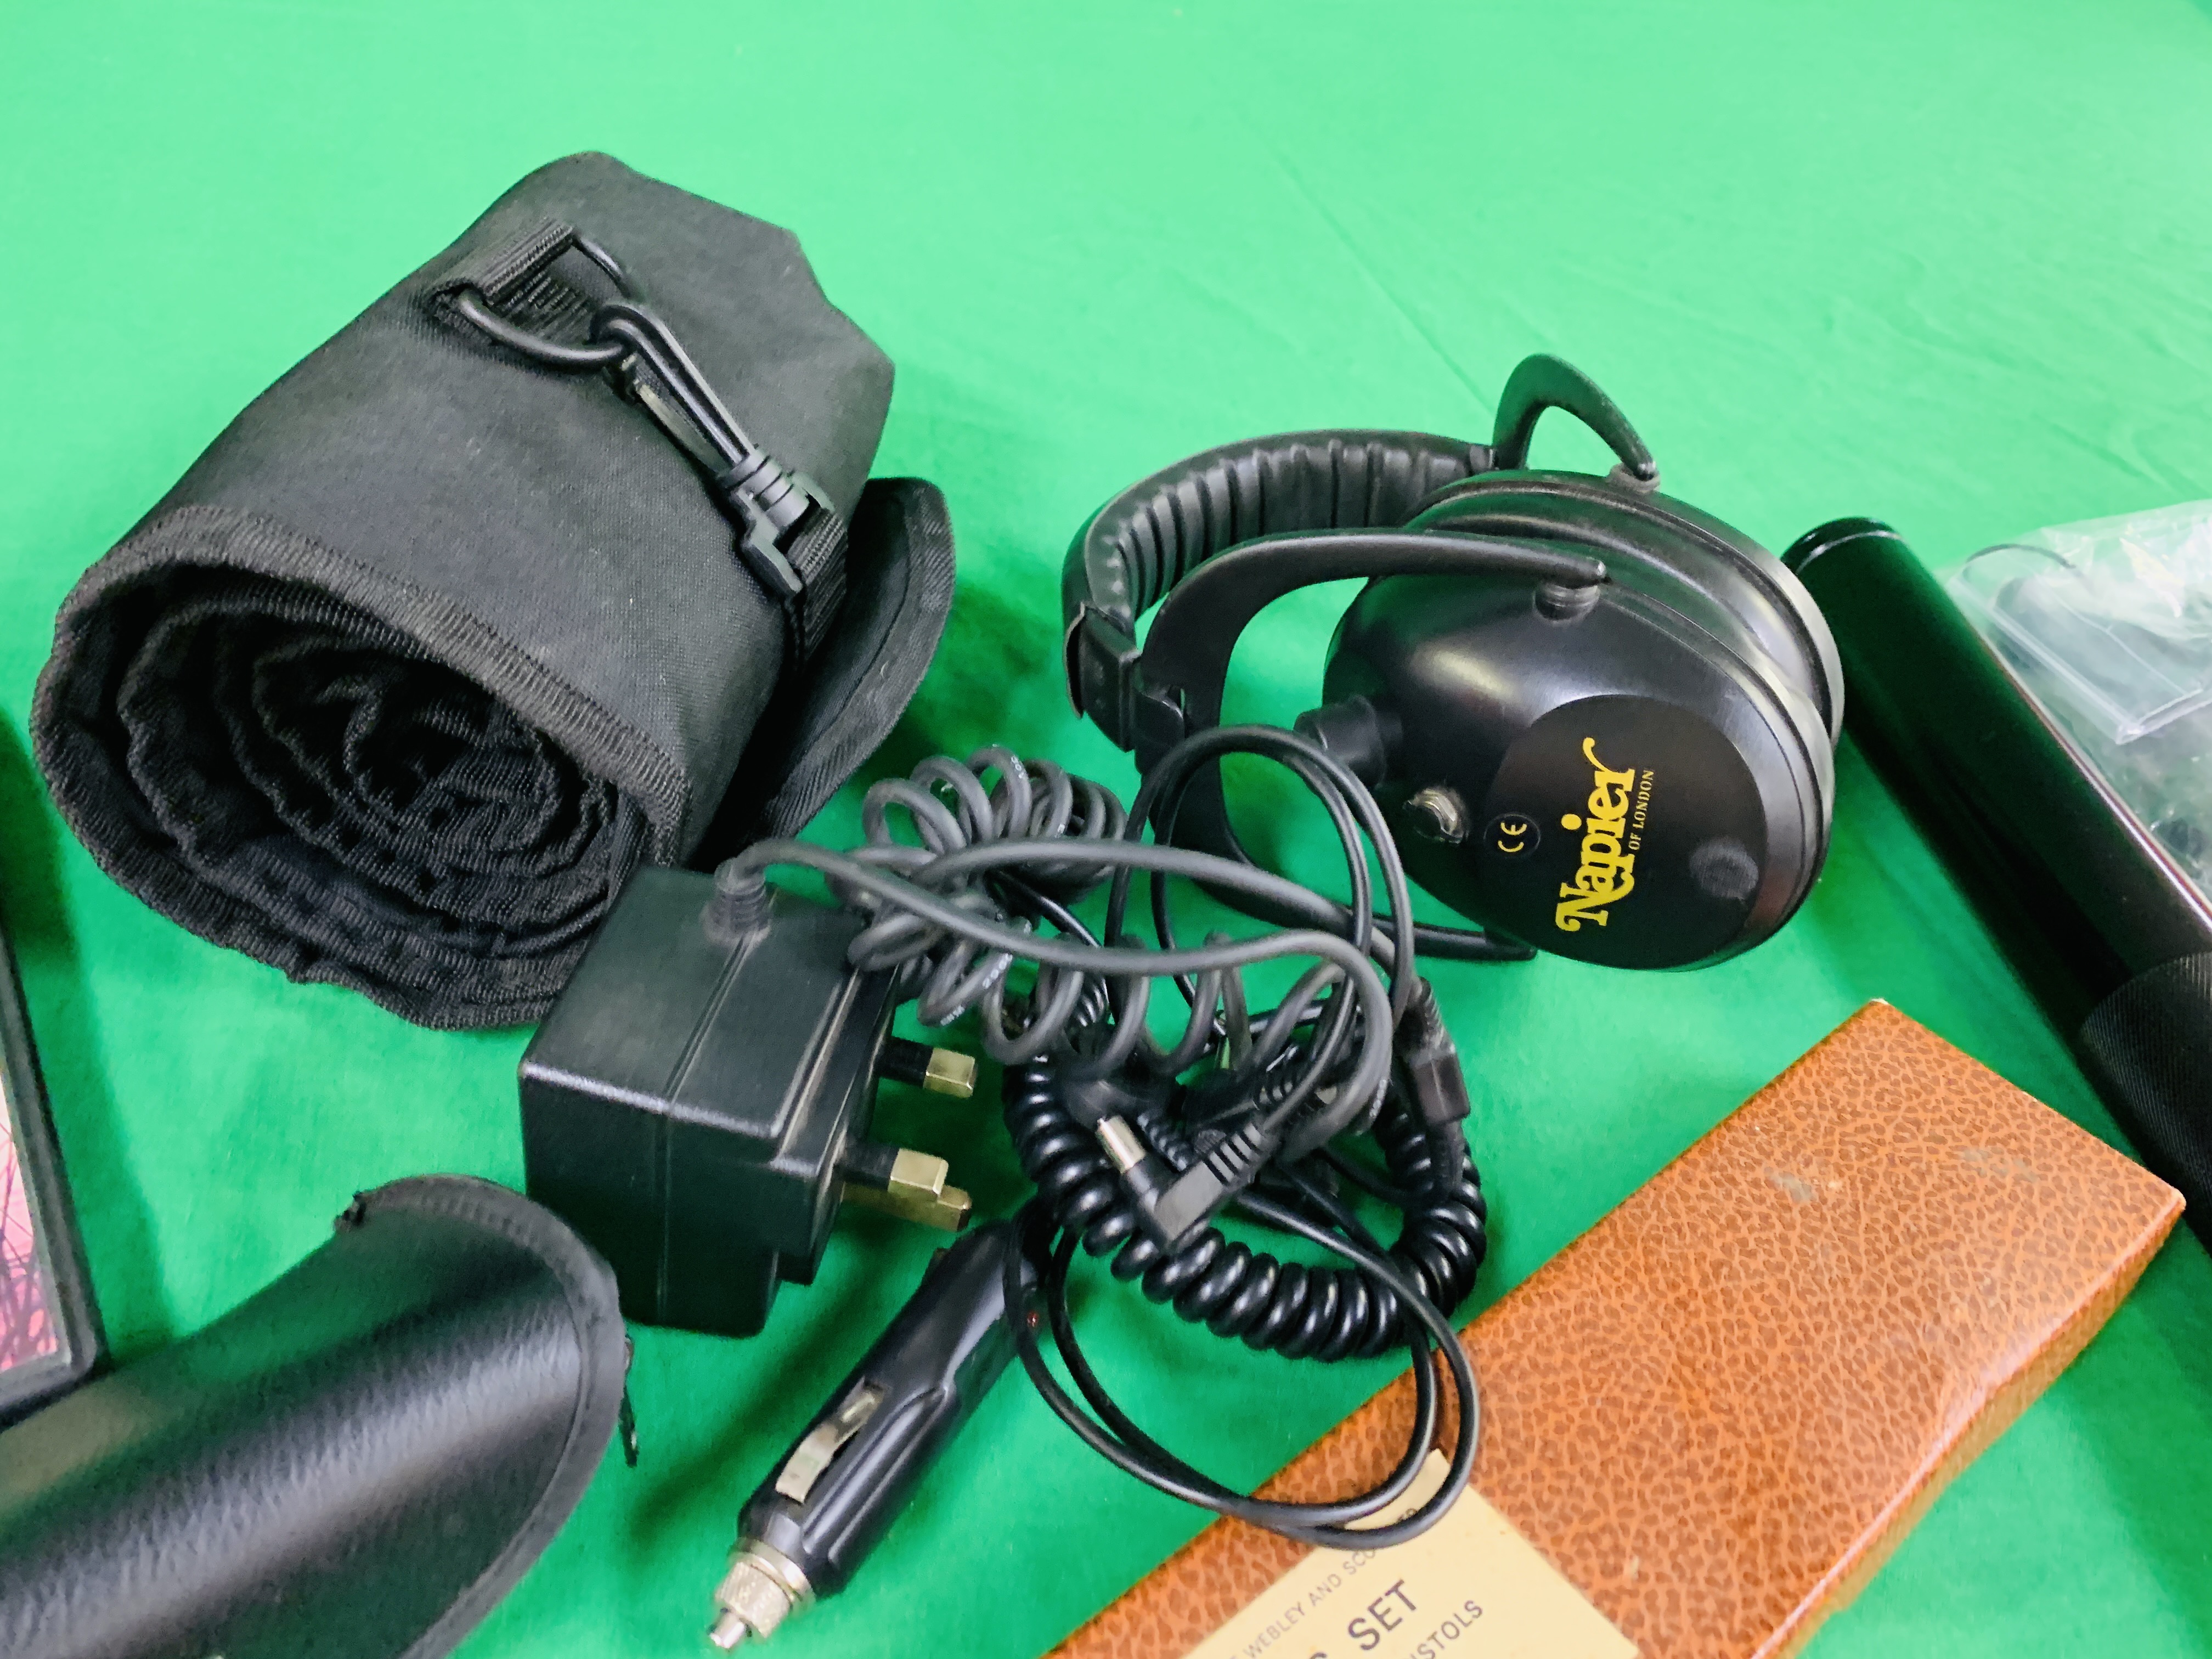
point(1607, 874)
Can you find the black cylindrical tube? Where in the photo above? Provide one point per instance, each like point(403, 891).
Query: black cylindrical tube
point(2110, 936)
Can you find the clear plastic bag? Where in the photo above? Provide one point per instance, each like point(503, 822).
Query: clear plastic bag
point(2108, 625)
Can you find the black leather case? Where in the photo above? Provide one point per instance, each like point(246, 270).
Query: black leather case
point(356, 1463)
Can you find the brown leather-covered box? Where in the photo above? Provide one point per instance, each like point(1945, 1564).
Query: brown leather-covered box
point(1720, 1409)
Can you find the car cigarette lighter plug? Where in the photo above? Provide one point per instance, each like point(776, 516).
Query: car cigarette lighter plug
point(829, 1499)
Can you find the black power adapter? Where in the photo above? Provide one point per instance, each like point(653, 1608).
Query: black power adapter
point(698, 1103)
point(700, 1099)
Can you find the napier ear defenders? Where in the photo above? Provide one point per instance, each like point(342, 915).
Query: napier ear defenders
point(1600, 722)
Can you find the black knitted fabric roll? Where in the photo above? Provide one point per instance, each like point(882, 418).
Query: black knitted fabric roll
point(434, 644)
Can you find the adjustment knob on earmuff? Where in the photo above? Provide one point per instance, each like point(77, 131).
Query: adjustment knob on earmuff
point(1437, 813)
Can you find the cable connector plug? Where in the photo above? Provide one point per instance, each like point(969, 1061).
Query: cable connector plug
point(1094, 1097)
point(1429, 1069)
point(1173, 1206)
point(1425, 1048)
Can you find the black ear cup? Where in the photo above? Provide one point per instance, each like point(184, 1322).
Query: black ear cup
point(1710, 572)
point(1630, 761)
point(1644, 780)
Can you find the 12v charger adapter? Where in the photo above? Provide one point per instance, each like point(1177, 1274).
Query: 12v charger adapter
point(698, 1103)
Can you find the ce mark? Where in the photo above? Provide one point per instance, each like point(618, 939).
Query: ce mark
point(1512, 834)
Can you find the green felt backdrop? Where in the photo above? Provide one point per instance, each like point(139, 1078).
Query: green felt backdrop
point(1948, 264)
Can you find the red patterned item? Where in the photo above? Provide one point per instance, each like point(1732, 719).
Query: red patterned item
point(27, 1326)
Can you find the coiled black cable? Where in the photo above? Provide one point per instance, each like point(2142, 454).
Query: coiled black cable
point(1041, 838)
point(1135, 1143)
point(1285, 1308)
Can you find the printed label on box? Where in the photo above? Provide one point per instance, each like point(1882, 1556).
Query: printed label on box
point(1469, 1587)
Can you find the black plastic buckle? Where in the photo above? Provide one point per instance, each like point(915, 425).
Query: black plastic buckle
point(789, 537)
point(793, 542)
point(771, 504)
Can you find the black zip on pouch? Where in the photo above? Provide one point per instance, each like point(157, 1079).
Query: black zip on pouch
point(50, 1335)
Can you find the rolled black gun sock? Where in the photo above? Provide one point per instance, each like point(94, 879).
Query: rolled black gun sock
point(435, 641)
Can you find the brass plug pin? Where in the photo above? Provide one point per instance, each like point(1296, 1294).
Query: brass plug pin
point(908, 1184)
point(940, 1071)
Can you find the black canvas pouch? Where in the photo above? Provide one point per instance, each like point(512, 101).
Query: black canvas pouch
point(356, 1462)
point(436, 642)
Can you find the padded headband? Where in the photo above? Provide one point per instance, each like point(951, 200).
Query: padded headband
point(1154, 533)
point(1158, 531)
